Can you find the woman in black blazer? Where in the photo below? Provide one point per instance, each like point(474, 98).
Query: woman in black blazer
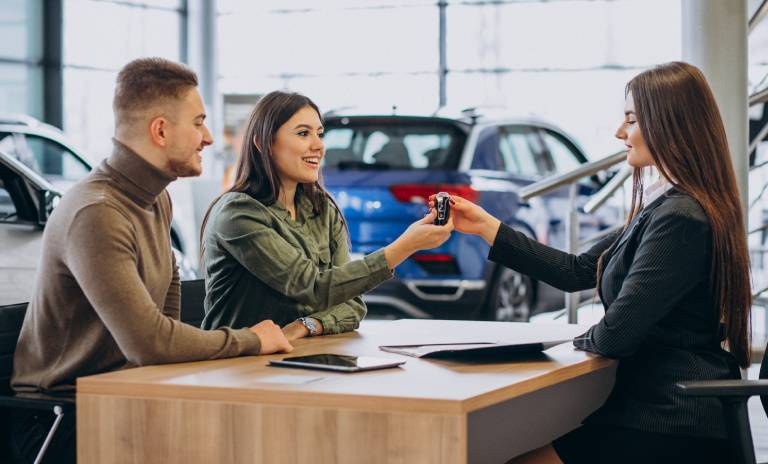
point(674, 282)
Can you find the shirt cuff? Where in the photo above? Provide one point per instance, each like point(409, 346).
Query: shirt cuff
point(330, 326)
point(247, 342)
point(377, 265)
point(501, 243)
point(586, 342)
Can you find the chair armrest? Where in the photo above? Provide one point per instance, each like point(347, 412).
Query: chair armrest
point(723, 388)
point(37, 401)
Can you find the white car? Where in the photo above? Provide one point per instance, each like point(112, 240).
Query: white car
point(38, 165)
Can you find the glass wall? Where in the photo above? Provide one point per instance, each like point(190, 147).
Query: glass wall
point(757, 47)
point(340, 53)
point(21, 54)
point(124, 30)
point(565, 61)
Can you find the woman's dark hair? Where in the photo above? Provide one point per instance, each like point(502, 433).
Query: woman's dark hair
point(681, 124)
point(256, 173)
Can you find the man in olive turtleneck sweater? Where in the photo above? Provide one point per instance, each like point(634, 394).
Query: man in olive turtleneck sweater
point(107, 294)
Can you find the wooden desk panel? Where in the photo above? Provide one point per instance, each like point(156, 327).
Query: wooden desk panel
point(117, 429)
point(241, 410)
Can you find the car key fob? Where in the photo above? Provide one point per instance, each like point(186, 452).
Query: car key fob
point(443, 208)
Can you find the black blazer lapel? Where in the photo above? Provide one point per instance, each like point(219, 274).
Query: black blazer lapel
point(632, 228)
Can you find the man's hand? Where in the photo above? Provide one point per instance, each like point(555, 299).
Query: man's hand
point(272, 338)
point(296, 330)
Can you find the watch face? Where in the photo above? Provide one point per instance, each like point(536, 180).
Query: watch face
point(310, 325)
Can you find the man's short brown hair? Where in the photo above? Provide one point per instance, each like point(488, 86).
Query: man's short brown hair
point(147, 82)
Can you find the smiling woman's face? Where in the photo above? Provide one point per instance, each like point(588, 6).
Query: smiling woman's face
point(298, 148)
point(638, 153)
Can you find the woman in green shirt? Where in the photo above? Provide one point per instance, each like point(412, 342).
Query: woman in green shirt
point(275, 245)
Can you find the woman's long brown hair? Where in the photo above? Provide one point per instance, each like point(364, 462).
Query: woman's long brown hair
point(681, 124)
point(255, 172)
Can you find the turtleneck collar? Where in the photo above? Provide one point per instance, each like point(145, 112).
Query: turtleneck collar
point(141, 181)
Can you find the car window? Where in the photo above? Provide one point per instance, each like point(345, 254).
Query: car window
point(46, 157)
point(561, 152)
point(392, 144)
point(383, 148)
point(517, 152)
point(486, 154)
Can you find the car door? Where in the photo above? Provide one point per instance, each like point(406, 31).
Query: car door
point(511, 157)
point(21, 222)
point(564, 156)
point(47, 157)
point(62, 167)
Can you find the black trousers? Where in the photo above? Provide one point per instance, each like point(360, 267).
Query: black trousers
point(27, 432)
point(602, 444)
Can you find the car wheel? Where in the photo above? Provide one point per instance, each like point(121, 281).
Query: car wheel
point(511, 298)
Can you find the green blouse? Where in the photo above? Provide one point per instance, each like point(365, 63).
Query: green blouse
point(262, 264)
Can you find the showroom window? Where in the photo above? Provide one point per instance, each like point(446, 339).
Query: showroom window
point(21, 54)
point(560, 60)
point(379, 53)
point(384, 55)
point(125, 30)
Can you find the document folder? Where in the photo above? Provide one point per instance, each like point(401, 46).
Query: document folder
point(468, 349)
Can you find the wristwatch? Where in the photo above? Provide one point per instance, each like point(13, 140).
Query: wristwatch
point(311, 325)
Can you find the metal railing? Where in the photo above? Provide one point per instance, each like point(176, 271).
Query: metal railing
point(555, 182)
point(599, 198)
point(595, 202)
point(758, 97)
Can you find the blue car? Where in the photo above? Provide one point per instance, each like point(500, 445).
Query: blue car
point(381, 169)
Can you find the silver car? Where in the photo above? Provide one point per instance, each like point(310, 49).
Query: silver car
point(38, 165)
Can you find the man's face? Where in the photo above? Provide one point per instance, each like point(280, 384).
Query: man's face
point(187, 136)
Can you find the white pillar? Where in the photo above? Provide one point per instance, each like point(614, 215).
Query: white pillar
point(201, 57)
point(715, 40)
point(191, 196)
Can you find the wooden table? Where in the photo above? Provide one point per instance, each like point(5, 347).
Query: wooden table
point(428, 411)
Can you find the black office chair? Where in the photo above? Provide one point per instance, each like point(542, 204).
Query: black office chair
point(192, 299)
point(734, 395)
point(11, 318)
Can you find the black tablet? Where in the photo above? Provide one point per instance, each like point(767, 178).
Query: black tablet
point(337, 362)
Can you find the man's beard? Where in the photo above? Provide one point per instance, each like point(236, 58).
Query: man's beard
point(184, 168)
